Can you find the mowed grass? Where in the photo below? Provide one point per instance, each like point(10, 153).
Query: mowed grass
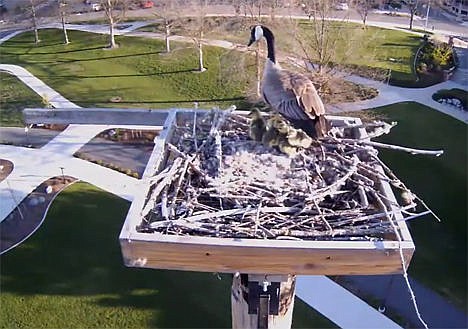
point(441, 250)
point(87, 73)
point(14, 97)
point(70, 274)
point(374, 47)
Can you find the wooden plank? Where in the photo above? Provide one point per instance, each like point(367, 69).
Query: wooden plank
point(258, 257)
point(147, 117)
point(153, 165)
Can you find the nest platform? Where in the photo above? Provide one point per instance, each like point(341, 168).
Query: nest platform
point(215, 200)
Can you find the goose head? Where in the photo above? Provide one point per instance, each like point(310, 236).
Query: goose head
point(260, 31)
point(256, 34)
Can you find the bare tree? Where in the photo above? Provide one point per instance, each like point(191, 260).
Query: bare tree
point(167, 11)
point(412, 7)
point(318, 43)
point(62, 12)
point(34, 21)
point(272, 5)
point(363, 7)
point(115, 12)
point(253, 8)
point(197, 28)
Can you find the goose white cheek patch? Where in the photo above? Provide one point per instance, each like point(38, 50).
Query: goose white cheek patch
point(258, 32)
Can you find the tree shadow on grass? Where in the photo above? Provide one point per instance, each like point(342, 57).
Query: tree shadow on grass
point(115, 75)
point(400, 44)
point(100, 58)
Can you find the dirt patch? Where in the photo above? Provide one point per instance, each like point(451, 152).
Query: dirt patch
point(26, 218)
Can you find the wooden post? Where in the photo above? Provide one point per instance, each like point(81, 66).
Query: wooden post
point(241, 319)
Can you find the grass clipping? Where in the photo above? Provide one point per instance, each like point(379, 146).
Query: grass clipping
point(221, 180)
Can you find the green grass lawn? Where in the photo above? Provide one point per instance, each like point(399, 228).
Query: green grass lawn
point(441, 250)
point(70, 274)
point(14, 97)
point(88, 74)
point(373, 47)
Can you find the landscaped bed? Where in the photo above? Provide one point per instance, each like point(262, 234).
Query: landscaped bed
point(127, 150)
point(455, 96)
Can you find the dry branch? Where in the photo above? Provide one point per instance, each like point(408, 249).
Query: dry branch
point(218, 182)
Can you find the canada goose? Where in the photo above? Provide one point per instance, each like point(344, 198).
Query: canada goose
point(287, 148)
point(271, 136)
point(293, 95)
point(257, 126)
point(299, 138)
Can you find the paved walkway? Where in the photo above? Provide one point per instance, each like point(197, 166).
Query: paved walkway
point(391, 94)
point(390, 288)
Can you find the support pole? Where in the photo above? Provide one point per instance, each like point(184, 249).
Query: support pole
point(262, 301)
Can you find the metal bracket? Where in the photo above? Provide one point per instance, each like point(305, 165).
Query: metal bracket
point(265, 294)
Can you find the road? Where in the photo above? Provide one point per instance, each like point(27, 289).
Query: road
point(439, 21)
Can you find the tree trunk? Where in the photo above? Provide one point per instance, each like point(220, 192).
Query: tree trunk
point(411, 20)
point(201, 68)
point(64, 28)
point(112, 43)
point(36, 33)
point(168, 32)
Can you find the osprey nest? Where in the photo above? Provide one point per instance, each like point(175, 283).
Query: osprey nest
point(220, 180)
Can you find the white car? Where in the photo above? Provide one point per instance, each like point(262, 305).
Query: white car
point(96, 6)
point(342, 6)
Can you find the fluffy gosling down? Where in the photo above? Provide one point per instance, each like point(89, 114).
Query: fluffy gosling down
point(277, 132)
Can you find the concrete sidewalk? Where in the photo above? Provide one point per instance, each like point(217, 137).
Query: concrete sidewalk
point(39, 87)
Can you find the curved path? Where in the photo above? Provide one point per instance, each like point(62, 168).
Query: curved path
point(29, 216)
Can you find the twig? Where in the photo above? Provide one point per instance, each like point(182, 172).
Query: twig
point(395, 147)
point(402, 258)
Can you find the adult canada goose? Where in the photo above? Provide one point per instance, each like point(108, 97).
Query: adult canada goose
point(293, 95)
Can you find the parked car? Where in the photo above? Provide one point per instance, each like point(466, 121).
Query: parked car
point(147, 4)
point(341, 6)
point(96, 7)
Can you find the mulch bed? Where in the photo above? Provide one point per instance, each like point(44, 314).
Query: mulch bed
point(7, 168)
point(26, 218)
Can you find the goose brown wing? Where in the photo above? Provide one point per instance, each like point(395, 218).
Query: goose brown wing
point(305, 92)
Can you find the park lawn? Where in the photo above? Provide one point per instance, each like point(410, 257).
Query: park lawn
point(70, 274)
point(87, 73)
point(374, 47)
point(14, 97)
point(440, 258)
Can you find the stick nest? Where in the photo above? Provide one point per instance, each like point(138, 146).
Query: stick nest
point(219, 182)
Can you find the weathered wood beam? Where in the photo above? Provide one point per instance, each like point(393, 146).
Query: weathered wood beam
point(146, 117)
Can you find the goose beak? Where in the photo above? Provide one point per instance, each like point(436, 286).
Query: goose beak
point(251, 41)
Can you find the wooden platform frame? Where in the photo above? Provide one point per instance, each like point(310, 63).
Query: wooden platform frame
point(253, 256)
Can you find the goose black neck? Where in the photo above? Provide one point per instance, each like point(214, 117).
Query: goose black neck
point(270, 39)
